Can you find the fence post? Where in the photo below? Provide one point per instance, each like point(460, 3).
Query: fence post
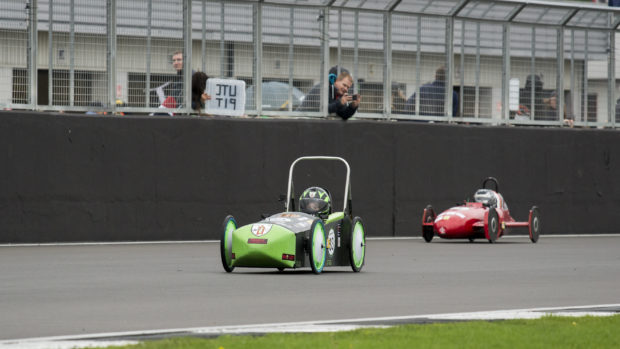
point(72, 48)
point(147, 85)
point(584, 103)
point(50, 53)
point(506, 73)
point(449, 68)
point(187, 56)
point(258, 57)
point(560, 75)
point(324, 18)
point(32, 54)
point(611, 72)
point(387, 65)
point(111, 54)
point(291, 58)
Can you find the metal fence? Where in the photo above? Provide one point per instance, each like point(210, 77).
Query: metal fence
point(503, 62)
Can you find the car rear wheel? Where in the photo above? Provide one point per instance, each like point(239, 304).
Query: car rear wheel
point(317, 246)
point(534, 224)
point(358, 244)
point(491, 226)
point(428, 217)
point(228, 227)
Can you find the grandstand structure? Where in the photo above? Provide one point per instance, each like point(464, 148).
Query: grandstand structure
point(115, 55)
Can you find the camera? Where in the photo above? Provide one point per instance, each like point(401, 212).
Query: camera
point(355, 97)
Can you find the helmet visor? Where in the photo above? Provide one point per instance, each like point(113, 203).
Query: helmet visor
point(313, 205)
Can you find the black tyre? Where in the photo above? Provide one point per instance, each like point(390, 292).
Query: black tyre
point(228, 227)
point(428, 232)
point(357, 249)
point(534, 224)
point(491, 226)
point(317, 246)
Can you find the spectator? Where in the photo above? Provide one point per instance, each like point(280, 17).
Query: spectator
point(340, 101)
point(399, 100)
point(550, 110)
point(176, 85)
point(526, 105)
point(432, 97)
point(199, 96)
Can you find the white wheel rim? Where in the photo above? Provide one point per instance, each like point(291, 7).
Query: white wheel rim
point(493, 225)
point(358, 247)
point(318, 248)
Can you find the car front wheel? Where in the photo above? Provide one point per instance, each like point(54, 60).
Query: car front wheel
point(491, 225)
point(228, 227)
point(534, 224)
point(358, 244)
point(317, 246)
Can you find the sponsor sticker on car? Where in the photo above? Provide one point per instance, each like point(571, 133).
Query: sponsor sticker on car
point(331, 242)
point(260, 229)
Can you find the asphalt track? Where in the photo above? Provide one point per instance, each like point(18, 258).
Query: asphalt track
point(55, 290)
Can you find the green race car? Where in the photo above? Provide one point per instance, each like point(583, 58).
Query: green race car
point(311, 235)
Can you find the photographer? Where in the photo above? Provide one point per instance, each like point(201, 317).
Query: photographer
point(340, 101)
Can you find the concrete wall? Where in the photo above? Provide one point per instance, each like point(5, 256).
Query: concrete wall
point(93, 178)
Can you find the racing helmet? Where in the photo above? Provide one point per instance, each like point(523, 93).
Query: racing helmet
point(486, 197)
point(315, 201)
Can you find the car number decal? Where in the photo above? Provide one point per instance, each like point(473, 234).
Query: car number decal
point(260, 229)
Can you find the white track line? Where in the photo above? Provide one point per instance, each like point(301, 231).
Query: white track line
point(218, 241)
point(106, 339)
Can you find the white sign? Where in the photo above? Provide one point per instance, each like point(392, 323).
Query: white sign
point(513, 94)
point(227, 97)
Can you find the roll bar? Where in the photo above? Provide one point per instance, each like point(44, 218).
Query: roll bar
point(492, 180)
point(347, 184)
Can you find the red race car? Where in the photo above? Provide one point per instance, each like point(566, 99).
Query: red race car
point(486, 217)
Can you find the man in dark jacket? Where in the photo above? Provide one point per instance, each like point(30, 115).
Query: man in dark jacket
point(432, 97)
point(340, 101)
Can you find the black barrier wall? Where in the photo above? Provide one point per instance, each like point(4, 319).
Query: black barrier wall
point(93, 178)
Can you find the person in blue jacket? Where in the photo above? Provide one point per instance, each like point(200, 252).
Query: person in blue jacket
point(432, 97)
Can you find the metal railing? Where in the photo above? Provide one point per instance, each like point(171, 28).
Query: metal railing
point(504, 62)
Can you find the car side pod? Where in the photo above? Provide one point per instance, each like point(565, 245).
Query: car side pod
point(491, 225)
point(428, 220)
point(533, 224)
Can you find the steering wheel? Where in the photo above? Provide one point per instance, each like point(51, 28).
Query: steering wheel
point(492, 180)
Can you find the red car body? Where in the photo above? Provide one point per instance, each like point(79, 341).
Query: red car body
point(487, 217)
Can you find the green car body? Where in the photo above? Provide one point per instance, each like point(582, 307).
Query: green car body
point(295, 240)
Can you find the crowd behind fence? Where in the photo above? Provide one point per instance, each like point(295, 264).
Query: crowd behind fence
point(476, 61)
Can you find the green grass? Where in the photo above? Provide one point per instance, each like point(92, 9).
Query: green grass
point(548, 332)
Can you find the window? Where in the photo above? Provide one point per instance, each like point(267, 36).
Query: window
point(591, 113)
point(20, 86)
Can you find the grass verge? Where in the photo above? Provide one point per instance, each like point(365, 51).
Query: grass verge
point(547, 332)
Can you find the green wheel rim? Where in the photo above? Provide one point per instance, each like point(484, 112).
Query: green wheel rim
point(359, 248)
point(318, 247)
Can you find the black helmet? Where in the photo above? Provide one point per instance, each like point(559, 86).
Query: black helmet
point(315, 201)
